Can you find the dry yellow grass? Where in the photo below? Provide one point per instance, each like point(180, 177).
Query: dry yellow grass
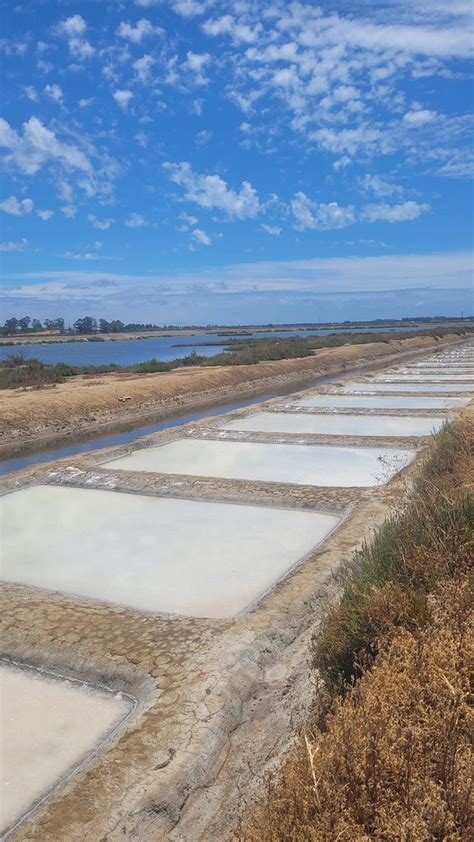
point(393, 758)
point(396, 760)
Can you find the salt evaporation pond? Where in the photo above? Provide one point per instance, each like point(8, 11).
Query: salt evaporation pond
point(47, 728)
point(300, 464)
point(155, 554)
point(348, 401)
point(343, 425)
point(372, 386)
point(423, 378)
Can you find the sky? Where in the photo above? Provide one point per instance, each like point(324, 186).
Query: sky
point(202, 162)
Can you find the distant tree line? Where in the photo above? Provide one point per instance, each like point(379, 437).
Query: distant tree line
point(85, 325)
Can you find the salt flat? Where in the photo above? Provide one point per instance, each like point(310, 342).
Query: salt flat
point(346, 425)
point(301, 464)
point(344, 399)
point(408, 386)
point(47, 726)
point(165, 555)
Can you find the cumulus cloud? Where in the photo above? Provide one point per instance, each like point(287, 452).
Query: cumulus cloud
point(73, 29)
point(379, 186)
point(54, 92)
point(189, 8)
point(16, 207)
point(135, 34)
point(419, 117)
point(11, 245)
point(45, 214)
point(101, 224)
point(320, 216)
point(142, 67)
point(195, 64)
point(135, 220)
point(69, 211)
point(227, 25)
point(273, 230)
point(200, 237)
point(404, 212)
point(211, 192)
point(122, 98)
point(28, 151)
point(31, 93)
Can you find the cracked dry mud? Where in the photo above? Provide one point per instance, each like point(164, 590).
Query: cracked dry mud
point(217, 700)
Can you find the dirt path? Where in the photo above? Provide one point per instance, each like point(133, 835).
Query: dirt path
point(90, 405)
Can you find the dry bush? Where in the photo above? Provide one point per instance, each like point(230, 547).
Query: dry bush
point(387, 583)
point(396, 760)
point(393, 760)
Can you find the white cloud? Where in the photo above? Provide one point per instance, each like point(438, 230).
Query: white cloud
point(18, 245)
point(54, 92)
point(227, 25)
point(15, 207)
point(84, 103)
point(189, 8)
point(45, 214)
point(199, 236)
point(379, 186)
point(142, 67)
point(273, 230)
point(135, 220)
point(419, 117)
point(320, 216)
point(135, 34)
point(37, 146)
point(101, 224)
point(31, 93)
point(122, 98)
point(404, 212)
point(195, 64)
point(73, 29)
point(211, 192)
point(146, 4)
point(69, 211)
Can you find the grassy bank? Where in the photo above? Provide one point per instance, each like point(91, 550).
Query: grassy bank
point(389, 757)
point(17, 371)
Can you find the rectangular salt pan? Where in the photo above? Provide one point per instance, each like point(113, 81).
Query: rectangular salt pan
point(333, 425)
point(348, 401)
point(165, 555)
point(301, 464)
point(428, 378)
point(371, 386)
point(47, 727)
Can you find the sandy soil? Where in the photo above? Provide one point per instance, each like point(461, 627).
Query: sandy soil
point(91, 404)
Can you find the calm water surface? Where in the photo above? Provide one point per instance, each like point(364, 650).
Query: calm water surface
point(164, 348)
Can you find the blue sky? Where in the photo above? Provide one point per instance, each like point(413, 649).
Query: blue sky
point(195, 161)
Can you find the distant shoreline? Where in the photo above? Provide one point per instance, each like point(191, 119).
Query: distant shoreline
point(223, 330)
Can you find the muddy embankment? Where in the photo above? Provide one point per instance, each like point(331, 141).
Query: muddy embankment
point(87, 406)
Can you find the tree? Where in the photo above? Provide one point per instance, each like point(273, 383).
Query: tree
point(11, 325)
point(104, 326)
point(54, 324)
point(36, 325)
point(24, 323)
point(85, 325)
point(116, 326)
